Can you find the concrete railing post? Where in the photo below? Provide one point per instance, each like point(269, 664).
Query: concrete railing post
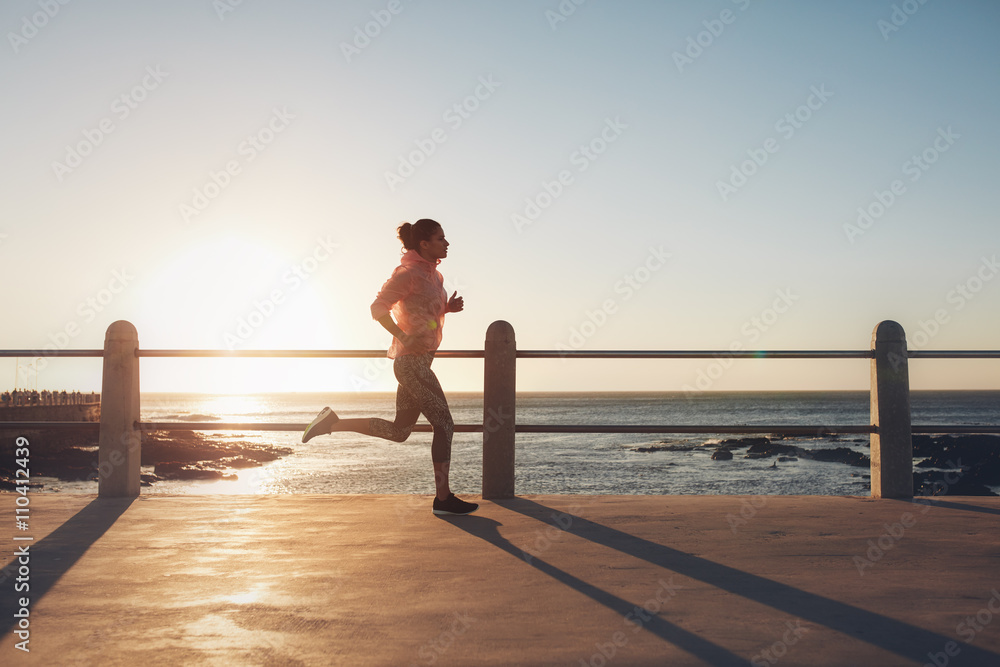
point(119, 454)
point(498, 411)
point(892, 443)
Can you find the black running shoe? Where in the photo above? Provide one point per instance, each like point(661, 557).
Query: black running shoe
point(453, 506)
point(321, 425)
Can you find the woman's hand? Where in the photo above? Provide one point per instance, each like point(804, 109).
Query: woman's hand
point(455, 303)
point(406, 339)
point(390, 325)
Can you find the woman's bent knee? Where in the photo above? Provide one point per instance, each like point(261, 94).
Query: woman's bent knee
point(401, 435)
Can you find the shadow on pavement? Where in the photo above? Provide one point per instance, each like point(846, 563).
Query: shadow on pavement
point(487, 529)
point(50, 558)
point(952, 505)
point(905, 640)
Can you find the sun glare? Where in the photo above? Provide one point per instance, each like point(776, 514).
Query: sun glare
point(232, 293)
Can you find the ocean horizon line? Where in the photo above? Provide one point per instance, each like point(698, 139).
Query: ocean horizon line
point(595, 392)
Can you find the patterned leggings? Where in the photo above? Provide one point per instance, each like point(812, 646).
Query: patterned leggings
point(419, 392)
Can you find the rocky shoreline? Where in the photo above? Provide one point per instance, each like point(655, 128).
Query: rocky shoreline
point(965, 465)
point(958, 465)
point(181, 455)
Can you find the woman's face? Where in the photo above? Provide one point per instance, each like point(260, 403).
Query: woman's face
point(436, 247)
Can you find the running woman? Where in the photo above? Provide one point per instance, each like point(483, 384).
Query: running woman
point(415, 296)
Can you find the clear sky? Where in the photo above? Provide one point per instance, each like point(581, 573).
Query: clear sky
point(610, 174)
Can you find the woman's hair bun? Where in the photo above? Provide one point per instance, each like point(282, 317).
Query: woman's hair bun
point(421, 230)
point(406, 235)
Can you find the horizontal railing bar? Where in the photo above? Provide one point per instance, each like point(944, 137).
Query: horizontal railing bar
point(40, 425)
point(927, 429)
point(790, 429)
point(693, 354)
point(953, 354)
point(785, 429)
point(266, 426)
point(51, 353)
point(528, 354)
point(311, 354)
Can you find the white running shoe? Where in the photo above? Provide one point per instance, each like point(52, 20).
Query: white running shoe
point(322, 425)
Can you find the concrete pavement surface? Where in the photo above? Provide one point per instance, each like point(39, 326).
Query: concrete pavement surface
point(537, 580)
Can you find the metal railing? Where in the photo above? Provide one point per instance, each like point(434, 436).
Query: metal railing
point(891, 429)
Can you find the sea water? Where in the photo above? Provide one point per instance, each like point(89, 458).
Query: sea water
point(553, 463)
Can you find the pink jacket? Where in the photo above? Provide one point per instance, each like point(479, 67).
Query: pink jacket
point(416, 297)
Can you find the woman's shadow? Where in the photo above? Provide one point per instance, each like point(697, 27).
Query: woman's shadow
point(488, 530)
point(901, 638)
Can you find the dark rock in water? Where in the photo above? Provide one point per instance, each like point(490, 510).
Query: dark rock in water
point(926, 445)
point(787, 459)
point(238, 462)
point(193, 446)
point(942, 483)
point(722, 455)
point(179, 470)
point(71, 455)
point(987, 470)
point(976, 457)
point(147, 479)
point(666, 448)
point(739, 443)
point(759, 450)
point(840, 455)
point(10, 484)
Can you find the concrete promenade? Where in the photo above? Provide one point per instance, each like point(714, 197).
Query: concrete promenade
point(538, 580)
